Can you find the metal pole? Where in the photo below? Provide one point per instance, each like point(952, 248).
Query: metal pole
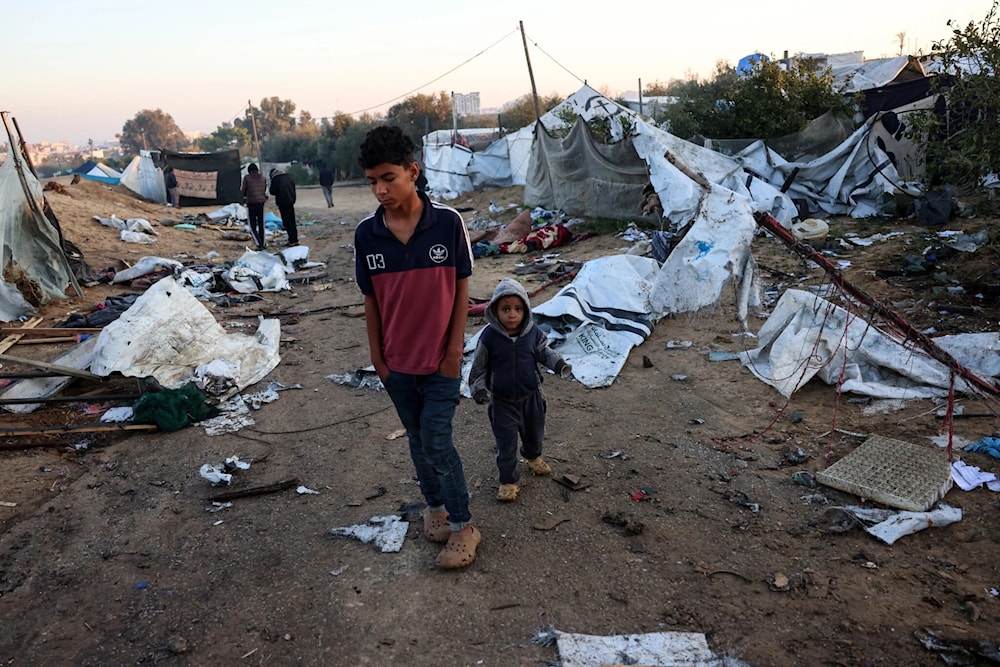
point(256, 143)
point(531, 75)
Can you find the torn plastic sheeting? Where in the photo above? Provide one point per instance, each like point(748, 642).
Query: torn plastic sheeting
point(248, 280)
point(168, 333)
point(119, 414)
point(136, 237)
point(385, 532)
point(363, 378)
point(140, 225)
point(598, 318)
point(234, 415)
point(145, 266)
point(215, 475)
point(235, 412)
point(653, 649)
point(218, 376)
point(890, 525)
point(235, 211)
point(807, 336)
point(971, 477)
point(714, 253)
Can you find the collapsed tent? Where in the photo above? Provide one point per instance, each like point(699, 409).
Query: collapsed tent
point(807, 336)
point(207, 178)
point(98, 171)
point(30, 243)
point(144, 178)
point(167, 333)
point(583, 174)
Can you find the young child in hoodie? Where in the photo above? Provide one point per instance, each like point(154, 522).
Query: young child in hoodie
point(505, 374)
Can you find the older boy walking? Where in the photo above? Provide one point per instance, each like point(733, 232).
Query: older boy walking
point(412, 262)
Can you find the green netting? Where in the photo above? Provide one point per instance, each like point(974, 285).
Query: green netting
point(173, 409)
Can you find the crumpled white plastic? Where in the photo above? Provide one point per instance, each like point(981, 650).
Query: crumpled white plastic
point(386, 532)
point(971, 477)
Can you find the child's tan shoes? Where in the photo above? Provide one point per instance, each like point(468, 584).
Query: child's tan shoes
point(538, 466)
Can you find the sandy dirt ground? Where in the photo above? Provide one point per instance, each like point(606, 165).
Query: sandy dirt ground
point(688, 518)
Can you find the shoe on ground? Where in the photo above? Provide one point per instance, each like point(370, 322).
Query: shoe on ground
point(538, 466)
point(507, 493)
point(436, 526)
point(460, 551)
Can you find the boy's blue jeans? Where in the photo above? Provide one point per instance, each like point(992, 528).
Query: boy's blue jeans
point(426, 405)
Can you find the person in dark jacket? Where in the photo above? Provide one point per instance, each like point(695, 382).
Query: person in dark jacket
point(283, 189)
point(326, 184)
point(173, 192)
point(505, 374)
point(254, 189)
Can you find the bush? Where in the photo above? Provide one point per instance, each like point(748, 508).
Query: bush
point(959, 139)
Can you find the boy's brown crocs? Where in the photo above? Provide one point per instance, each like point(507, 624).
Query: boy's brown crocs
point(436, 526)
point(460, 550)
point(507, 493)
point(538, 466)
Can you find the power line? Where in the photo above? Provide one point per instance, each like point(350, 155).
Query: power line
point(535, 44)
point(435, 80)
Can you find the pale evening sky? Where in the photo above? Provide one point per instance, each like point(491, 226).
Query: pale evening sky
point(79, 70)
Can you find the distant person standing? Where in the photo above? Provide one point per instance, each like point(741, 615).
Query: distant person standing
point(254, 191)
point(326, 182)
point(173, 193)
point(283, 189)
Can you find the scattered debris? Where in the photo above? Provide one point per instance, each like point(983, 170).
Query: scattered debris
point(628, 524)
point(651, 649)
point(385, 532)
point(256, 490)
point(894, 473)
point(550, 522)
point(571, 482)
point(886, 524)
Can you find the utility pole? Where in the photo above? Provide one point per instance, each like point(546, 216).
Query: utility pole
point(256, 143)
point(531, 75)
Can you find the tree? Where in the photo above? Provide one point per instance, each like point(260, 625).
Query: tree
point(768, 102)
point(273, 117)
point(521, 112)
point(152, 129)
point(226, 136)
point(960, 139)
point(419, 114)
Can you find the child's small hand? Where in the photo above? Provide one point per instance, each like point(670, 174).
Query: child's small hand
point(566, 372)
point(481, 397)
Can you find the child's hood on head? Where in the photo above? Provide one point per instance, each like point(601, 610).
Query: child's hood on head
point(508, 287)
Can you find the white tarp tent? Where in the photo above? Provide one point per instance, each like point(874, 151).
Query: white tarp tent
point(144, 178)
point(452, 169)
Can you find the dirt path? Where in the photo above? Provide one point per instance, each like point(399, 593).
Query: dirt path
point(110, 557)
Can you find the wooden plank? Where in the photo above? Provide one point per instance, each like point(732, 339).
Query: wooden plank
point(48, 341)
point(255, 490)
point(9, 341)
point(49, 331)
point(78, 428)
point(45, 366)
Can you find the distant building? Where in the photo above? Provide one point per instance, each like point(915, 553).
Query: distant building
point(465, 104)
